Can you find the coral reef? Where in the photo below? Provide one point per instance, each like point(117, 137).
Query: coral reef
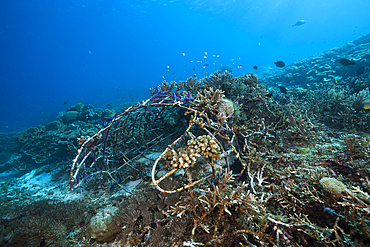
point(42, 223)
point(253, 169)
point(220, 161)
point(56, 141)
point(321, 67)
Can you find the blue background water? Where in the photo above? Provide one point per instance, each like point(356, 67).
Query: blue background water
point(107, 52)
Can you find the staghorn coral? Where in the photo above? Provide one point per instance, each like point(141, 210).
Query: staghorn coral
point(248, 79)
point(39, 231)
point(359, 99)
point(218, 80)
point(209, 100)
point(337, 95)
point(356, 146)
point(191, 84)
point(43, 223)
point(340, 107)
point(214, 207)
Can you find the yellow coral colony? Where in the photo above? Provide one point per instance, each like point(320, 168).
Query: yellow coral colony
point(197, 146)
point(205, 146)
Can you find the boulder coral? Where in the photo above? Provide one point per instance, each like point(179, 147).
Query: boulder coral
point(102, 226)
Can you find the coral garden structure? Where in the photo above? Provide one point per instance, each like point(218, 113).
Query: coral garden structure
point(220, 161)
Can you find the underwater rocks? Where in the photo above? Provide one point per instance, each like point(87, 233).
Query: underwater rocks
point(54, 126)
point(69, 116)
point(79, 107)
point(85, 113)
point(7, 144)
point(102, 226)
point(322, 66)
point(55, 142)
point(41, 144)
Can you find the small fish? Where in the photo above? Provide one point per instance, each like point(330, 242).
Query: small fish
point(279, 64)
point(183, 54)
point(205, 53)
point(255, 67)
point(240, 66)
point(344, 62)
point(64, 103)
point(194, 68)
point(328, 210)
point(299, 23)
point(366, 106)
point(206, 64)
point(283, 89)
point(361, 70)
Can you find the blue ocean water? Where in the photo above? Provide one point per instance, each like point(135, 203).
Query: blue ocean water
point(54, 54)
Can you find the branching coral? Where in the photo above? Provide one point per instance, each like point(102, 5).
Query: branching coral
point(249, 79)
point(219, 80)
point(356, 145)
point(209, 100)
point(359, 99)
point(213, 207)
